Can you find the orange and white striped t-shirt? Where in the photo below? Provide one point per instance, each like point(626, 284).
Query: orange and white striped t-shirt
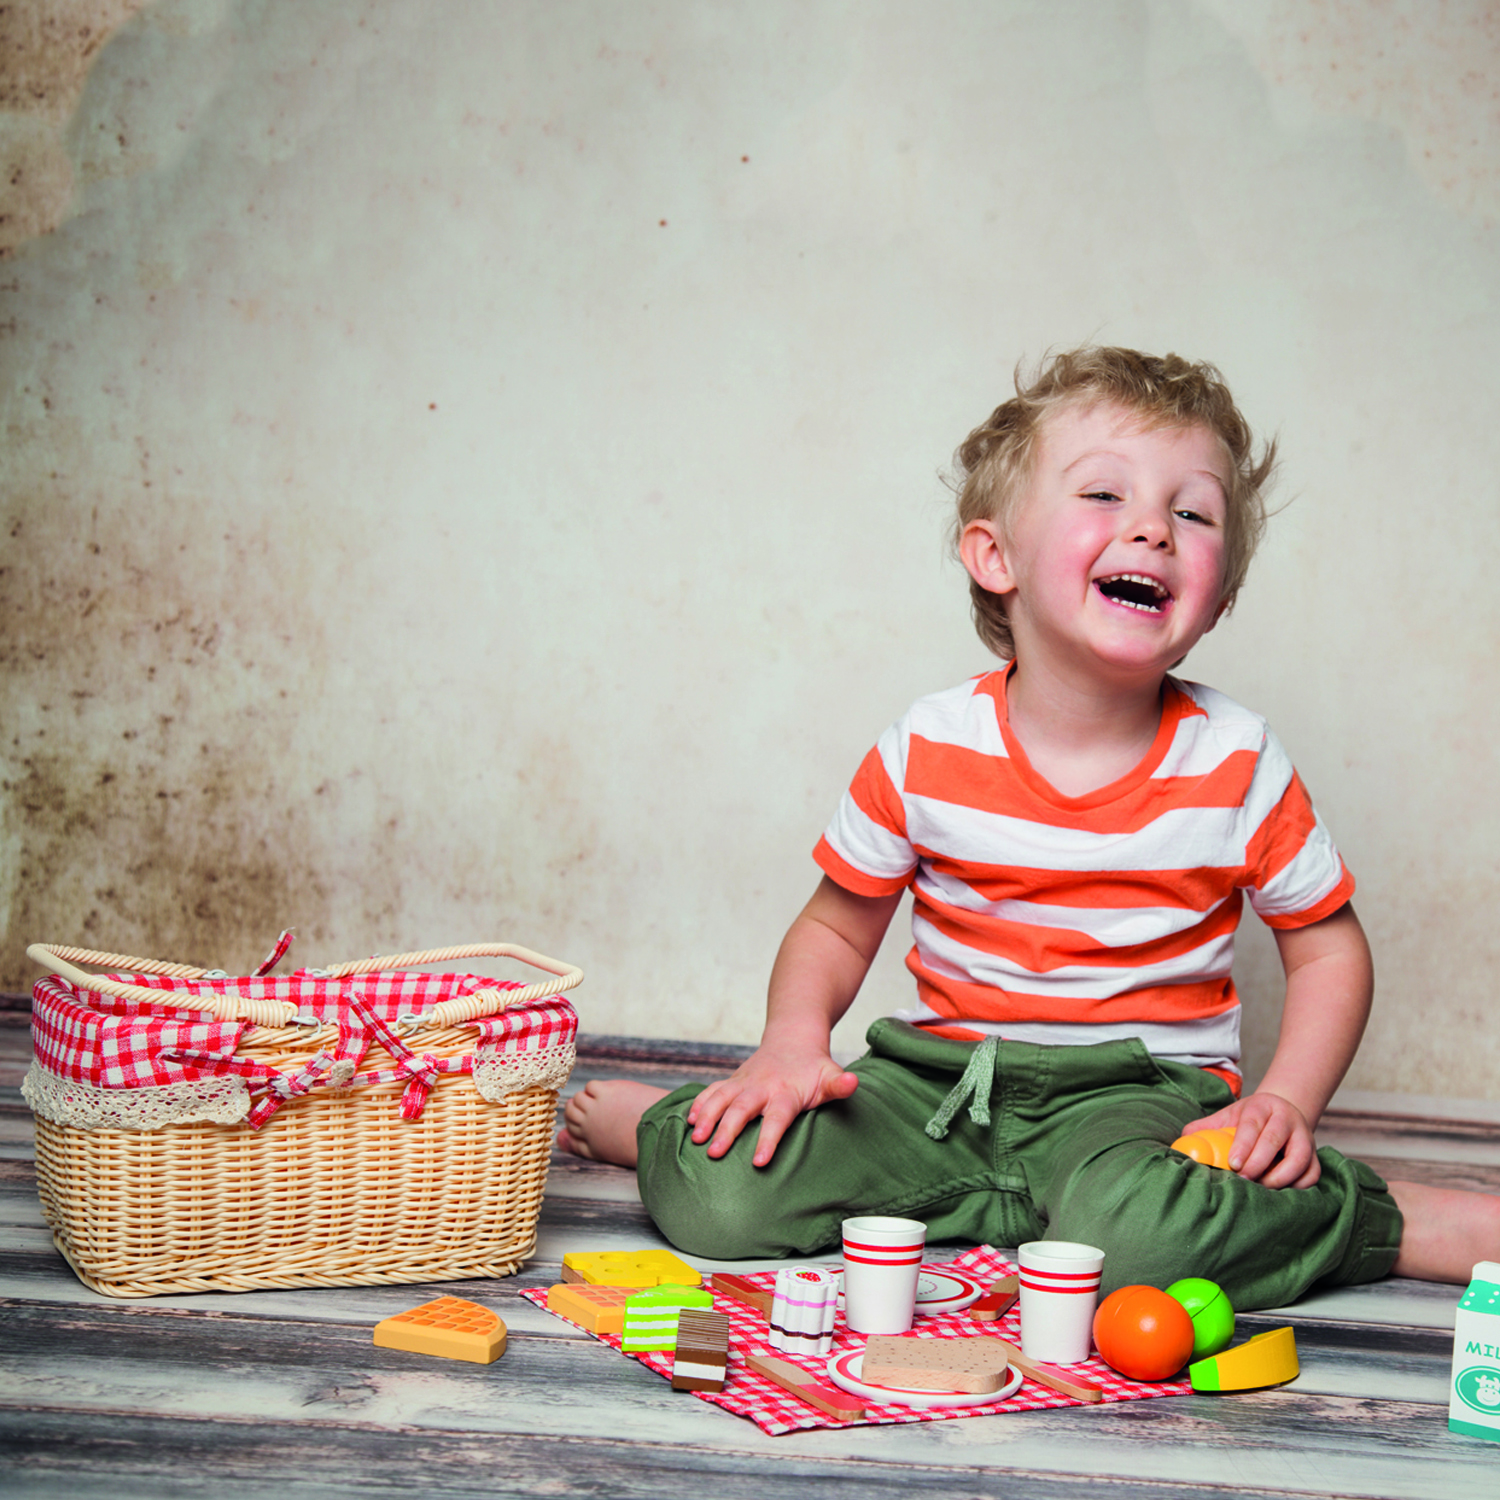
point(1044, 918)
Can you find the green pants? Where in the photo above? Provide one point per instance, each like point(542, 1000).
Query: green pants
point(1076, 1148)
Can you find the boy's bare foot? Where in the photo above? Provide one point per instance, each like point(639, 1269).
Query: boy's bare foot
point(601, 1119)
point(1446, 1231)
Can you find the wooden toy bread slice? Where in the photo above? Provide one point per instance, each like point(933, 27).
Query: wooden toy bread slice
point(909, 1362)
point(448, 1327)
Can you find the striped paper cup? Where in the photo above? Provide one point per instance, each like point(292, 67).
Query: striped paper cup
point(1059, 1291)
point(881, 1260)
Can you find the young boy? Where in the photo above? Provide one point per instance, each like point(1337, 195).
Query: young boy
point(1079, 829)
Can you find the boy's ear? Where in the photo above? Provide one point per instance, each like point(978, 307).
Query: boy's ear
point(985, 555)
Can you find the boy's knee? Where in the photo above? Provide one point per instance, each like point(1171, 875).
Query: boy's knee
point(1156, 1220)
point(726, 1209)
point(1161, 1217)
point(702, 1219)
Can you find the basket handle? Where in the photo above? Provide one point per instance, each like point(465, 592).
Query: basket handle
point(59, 960)
point(482, 1002)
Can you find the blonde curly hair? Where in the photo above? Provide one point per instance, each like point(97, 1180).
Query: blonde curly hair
point(993, 464)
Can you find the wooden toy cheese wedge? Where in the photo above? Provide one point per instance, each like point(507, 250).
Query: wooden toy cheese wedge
point(1266, 1359)
point(628, 1268)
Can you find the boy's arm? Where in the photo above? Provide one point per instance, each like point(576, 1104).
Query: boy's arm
point(1329, 982)
point(818, 971)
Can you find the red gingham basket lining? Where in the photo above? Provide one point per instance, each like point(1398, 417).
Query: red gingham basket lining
point(86, 1037)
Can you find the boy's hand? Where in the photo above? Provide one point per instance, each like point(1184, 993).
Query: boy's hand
point(776, 1086)
point(1273, 1143)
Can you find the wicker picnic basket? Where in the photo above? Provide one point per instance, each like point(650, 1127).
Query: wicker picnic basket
point(350, 1126)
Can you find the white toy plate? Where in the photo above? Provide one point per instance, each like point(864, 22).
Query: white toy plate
point(938, 1290)
point(845, 1371)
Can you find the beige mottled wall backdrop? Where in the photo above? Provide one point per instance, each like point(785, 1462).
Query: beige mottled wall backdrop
point(471, 469)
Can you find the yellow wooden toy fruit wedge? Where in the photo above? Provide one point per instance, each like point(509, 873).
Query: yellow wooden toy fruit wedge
point(1266, 1359)
point(1211, 1147)
point(448, 1327)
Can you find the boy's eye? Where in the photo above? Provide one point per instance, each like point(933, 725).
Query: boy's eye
point(1101, 495)
point(1188, 514)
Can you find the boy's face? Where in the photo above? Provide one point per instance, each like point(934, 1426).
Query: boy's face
point(1113, 561)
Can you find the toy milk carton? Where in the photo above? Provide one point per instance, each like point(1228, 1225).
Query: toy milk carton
point(1474, 1399)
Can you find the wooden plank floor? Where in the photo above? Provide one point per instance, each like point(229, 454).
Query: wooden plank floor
point(282, 1393)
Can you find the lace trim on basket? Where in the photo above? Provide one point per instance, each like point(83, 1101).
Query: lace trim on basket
point(496, 1075)
point(220, 1101)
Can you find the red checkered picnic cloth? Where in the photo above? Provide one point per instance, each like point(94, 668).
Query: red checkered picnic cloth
point(87, 1037)
point(748, 1394)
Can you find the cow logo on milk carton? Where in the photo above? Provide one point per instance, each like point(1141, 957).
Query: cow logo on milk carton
point(1474, 1402)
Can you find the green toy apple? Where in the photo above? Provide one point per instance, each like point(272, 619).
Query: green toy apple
point(1210, 1310)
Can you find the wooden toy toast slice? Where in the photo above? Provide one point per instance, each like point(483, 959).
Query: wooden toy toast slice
point(448, 1327)
point(904, 1361)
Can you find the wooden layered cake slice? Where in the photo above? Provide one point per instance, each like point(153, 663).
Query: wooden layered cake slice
point(908, 1362)
point(702, 1351)
point(651, 1316)
point(448, 1327)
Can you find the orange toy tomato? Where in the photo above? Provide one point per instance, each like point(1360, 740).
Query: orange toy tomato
point(1143, 1333)
point(1211, 1147)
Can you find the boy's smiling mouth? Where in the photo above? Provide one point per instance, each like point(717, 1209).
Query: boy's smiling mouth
point(1135, 591)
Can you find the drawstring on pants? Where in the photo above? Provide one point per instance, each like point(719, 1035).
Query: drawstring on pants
point(977, 1080)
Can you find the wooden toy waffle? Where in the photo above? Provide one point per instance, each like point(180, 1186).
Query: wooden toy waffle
point(596, 1309)
point(448, 1327)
